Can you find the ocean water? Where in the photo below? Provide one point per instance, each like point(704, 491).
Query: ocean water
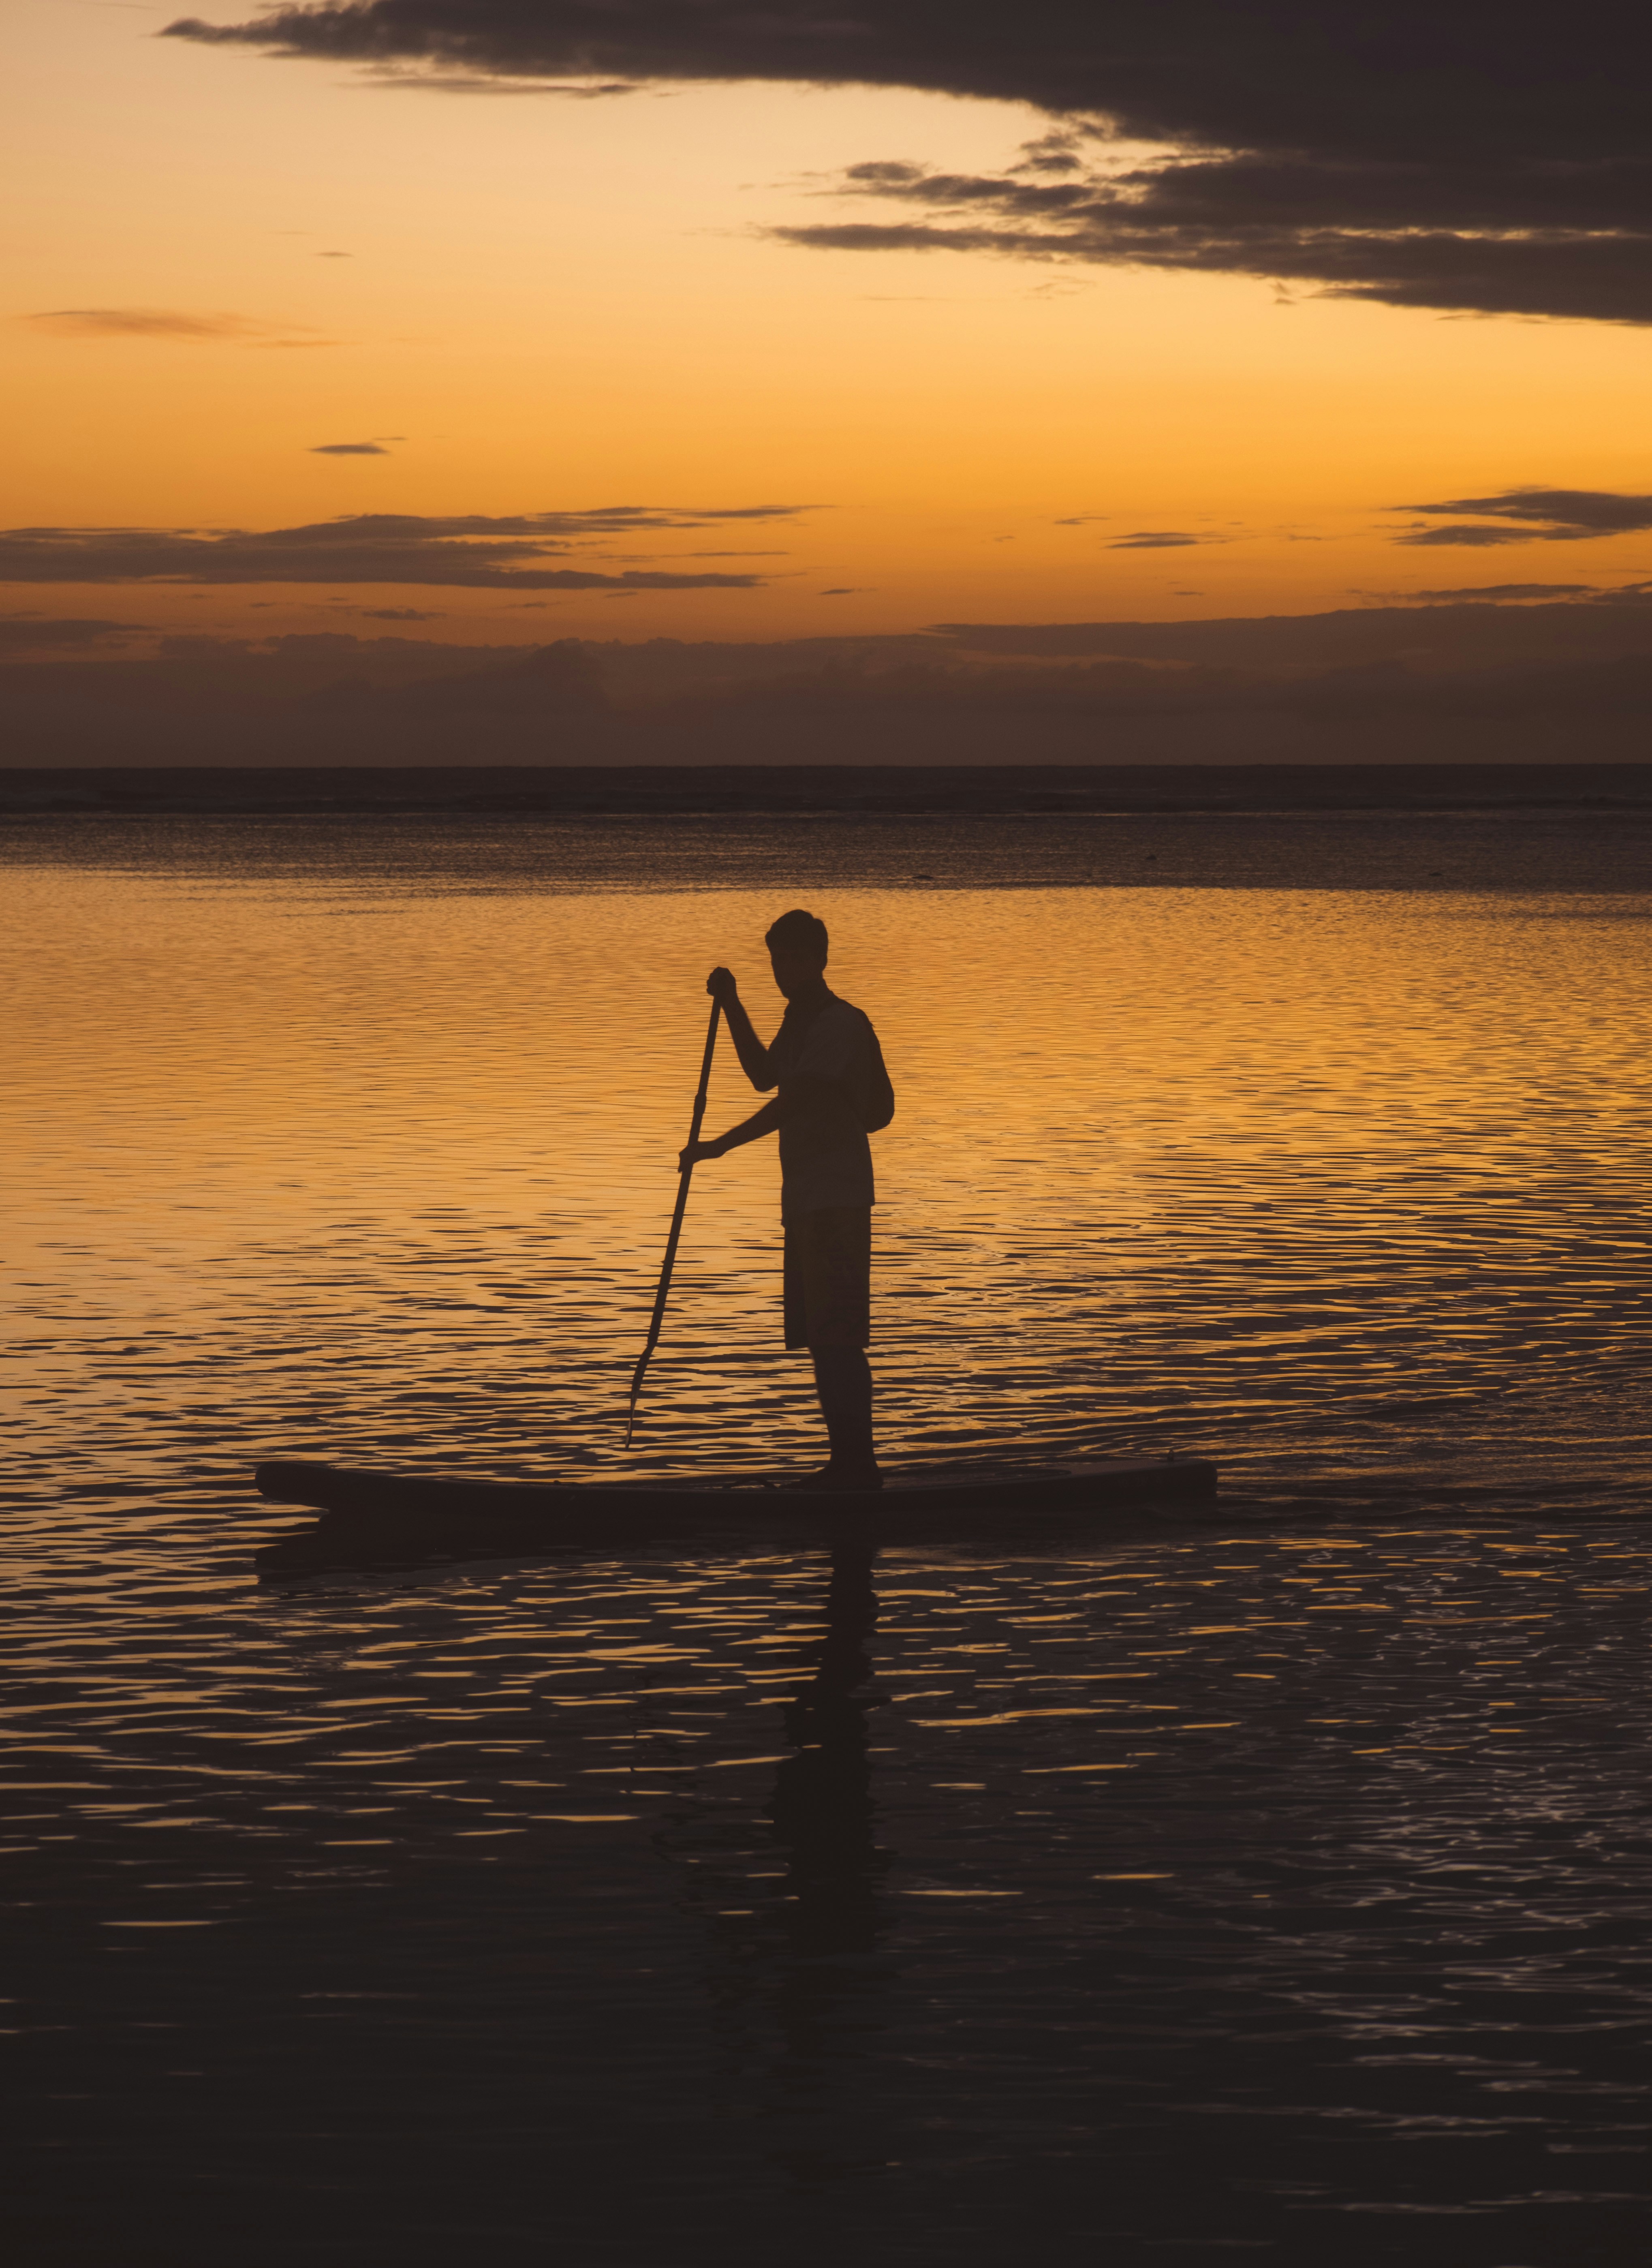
point(1270, 1880)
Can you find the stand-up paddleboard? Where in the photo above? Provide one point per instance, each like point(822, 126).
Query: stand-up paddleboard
point(373, 1516)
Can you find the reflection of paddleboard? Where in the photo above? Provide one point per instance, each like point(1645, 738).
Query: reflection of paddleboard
point(382, 1516)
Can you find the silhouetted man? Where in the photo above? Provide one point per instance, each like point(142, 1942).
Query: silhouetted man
point(833, 1092)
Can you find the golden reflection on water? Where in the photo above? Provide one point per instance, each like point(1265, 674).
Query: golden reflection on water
point(365, 1176)
point(908, 1901)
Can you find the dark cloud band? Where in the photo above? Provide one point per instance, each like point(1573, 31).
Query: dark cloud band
point(1489, 155)
point(1347, 231)
point(30, 633)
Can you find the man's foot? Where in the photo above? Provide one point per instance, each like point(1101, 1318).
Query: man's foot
point(838, 1480)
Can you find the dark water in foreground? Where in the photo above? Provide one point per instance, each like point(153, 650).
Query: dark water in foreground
point(1270, 1883)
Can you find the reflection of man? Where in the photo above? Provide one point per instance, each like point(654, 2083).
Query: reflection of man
point(833, 1092)
point(822, 1808)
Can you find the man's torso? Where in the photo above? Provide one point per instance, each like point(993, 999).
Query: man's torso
point(830, 1052)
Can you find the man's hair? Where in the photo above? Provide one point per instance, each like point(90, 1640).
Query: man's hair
point(801, 933)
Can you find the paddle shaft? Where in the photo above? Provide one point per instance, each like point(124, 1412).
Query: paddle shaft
point(658, 1316)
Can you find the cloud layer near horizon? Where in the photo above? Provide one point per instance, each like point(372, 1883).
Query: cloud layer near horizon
point(1455, 682)
point(1491, 156)
point(466, 551)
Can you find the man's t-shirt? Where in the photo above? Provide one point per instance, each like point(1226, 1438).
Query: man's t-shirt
point(832, 1071)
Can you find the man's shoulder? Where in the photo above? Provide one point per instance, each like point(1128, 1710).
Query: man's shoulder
point(841, 1010)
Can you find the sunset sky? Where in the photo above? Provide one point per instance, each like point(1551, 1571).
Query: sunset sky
point(456, 262)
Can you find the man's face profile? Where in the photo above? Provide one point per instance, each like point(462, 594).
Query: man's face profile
point(795, 972)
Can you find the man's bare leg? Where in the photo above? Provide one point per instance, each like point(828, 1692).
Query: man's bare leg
point(843, 1379)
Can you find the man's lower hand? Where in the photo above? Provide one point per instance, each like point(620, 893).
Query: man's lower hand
point(721, 986)
point(695, 1153)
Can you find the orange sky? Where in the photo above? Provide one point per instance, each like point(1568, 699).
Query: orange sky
point(535, 304)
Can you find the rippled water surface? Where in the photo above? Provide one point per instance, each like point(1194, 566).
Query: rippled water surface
point(1272, 1880)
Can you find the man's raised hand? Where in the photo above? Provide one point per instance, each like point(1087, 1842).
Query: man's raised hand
point(721, 986)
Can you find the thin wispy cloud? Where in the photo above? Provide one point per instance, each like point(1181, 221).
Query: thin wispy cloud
point(479, 83)
point(1487, 161)
point(465, 551)
point(1530, 516)
point(194, 327)
point(1501, 594)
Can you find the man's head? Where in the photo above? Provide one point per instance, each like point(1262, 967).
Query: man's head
point(797, 948)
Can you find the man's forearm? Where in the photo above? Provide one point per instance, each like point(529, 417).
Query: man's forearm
point(752, 1054)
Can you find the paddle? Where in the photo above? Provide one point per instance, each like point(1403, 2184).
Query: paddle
point(676, 1225)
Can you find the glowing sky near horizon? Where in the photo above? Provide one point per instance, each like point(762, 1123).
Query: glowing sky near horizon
point(240, 274)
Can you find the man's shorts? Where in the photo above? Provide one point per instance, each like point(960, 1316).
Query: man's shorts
point(829, 1277)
